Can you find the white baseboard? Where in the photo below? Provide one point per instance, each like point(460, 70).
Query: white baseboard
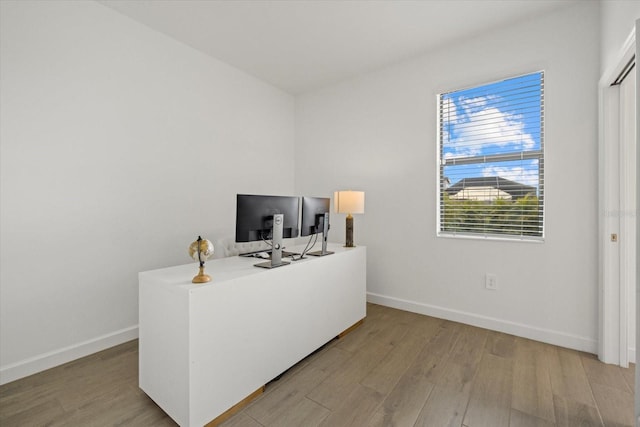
point(54, 358)
point(632, 355)
point(558, 338)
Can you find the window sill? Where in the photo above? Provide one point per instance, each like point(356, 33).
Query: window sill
point(491, 237)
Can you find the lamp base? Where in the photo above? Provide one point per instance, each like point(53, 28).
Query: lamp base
point(349, 232)
point(201, 277)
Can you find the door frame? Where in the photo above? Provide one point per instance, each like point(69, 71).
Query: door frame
point(614, 260)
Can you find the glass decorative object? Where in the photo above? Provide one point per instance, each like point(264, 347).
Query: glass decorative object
point(200, 251)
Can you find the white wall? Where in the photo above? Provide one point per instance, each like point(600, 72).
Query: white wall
point(119, 146)
point(617, 20)
point(379, 133)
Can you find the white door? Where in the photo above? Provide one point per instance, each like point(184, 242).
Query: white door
point(618, 211)
point(628, 212)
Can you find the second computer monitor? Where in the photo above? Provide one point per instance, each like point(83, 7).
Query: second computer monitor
point(315, 220)
point(313, 213)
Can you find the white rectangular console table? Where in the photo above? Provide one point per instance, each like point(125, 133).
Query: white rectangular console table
point(206, 348)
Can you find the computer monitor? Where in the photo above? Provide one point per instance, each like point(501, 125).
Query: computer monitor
point(315, 220)
point(272, 218)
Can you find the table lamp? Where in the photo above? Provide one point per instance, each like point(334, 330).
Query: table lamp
point(349, 202)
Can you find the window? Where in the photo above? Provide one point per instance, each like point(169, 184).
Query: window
point(491, 160)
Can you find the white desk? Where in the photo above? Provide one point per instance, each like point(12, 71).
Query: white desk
point(204, 348)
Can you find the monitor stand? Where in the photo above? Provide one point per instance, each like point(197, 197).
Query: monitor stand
point(276, 250)
point(325, 235)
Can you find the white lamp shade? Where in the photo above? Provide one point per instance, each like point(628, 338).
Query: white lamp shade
point(349, 202)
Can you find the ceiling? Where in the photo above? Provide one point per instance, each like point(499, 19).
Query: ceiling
point(304, 44)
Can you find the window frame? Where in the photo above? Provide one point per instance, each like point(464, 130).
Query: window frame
point(440, 232)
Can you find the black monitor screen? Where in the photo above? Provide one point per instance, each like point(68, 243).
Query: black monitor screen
point(313, 210)
point(254, 216)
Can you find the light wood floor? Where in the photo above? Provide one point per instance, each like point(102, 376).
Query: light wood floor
point(397, 369)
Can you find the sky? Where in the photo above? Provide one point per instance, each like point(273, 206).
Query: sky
point(500, 117)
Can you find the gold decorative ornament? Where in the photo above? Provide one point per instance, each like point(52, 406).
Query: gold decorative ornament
point(201, 250)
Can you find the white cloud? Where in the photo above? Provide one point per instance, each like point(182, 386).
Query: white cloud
point(471, 105)
point(523, 175)
point(480, 126)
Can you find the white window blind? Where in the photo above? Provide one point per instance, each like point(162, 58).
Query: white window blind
point(491, 159)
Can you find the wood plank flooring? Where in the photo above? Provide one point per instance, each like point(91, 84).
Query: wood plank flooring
point(397, 369)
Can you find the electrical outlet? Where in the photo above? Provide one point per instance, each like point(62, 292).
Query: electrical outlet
point(491, 282)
